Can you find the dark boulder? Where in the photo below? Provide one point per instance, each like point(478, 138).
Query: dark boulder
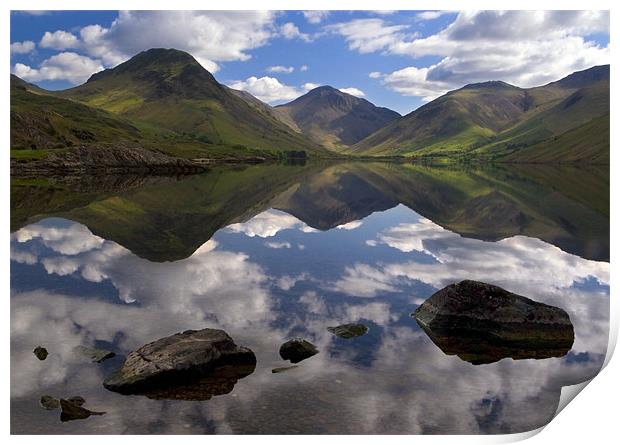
point(350, 330)
point(192, 365)
point(297, 350)
point(482, 323)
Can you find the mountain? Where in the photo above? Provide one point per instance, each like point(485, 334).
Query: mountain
point(168, 219)
point(42, 121)
point(176, 106)
point(335, 119)
point(500, 121)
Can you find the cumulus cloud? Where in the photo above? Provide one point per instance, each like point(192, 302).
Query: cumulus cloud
point(525, 48)
point(59, 40)
point(315, 17)
point(24, 47)
point(268, 89)
point(431, 15)
point(350, 225)
point(281, 69)
point(70, 240)
point(267, 224)
point(290, 31)
point(310, 86)
point(303, 68)
point(63, 66)
point(369, 35)
point(353, 91)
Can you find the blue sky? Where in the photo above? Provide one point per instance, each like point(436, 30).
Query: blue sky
point(399, 60)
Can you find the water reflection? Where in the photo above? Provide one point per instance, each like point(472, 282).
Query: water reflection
point(254, 280)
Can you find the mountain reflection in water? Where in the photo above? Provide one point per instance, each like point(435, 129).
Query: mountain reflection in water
point(272, 252)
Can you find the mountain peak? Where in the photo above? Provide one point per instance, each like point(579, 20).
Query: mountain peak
point(491, 84)
point(579, 79)
point(162, 60)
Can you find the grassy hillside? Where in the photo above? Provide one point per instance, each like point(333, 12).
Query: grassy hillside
point(493, 120)
point(40, 121)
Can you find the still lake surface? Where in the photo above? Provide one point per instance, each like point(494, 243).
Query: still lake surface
point(271, 252)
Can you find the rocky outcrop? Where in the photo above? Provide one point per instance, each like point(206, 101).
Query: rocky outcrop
point(111, 159)
point(482, 323)
point(297, 350)
point(350, 330)
point(192, 365)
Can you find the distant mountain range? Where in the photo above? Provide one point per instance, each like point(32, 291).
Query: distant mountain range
point(164, 99)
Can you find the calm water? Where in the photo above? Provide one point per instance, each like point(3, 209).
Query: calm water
point(271, 252)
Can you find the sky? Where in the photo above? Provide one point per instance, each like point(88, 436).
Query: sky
point(395, 59)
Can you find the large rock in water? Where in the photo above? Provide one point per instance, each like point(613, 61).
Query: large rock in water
point(192, 365)
point(482, 323)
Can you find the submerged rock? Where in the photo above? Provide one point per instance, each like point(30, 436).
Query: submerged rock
point(192, 365)
point(72, 411)
point(49, 402)
point(95, 355)
point(283, 369)
point(297, 350)
point(482, 323)
point(349, 330)
point(77, 400)
point(40, 352)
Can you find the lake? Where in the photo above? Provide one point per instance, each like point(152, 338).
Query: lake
point(274, 251)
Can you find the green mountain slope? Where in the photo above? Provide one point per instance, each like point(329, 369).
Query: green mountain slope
point(335, 119)
point(42, 121)
point(499, 121)
point(168, 94)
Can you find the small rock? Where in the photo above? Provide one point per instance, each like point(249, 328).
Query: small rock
point(350, 330)
point(297, 350)
point(95, 355)
point(77, 400)
point(283, 369)
point(71, 411)
point(40, 352)
point(49, 403)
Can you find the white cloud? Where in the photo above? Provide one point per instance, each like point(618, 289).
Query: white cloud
point(350, 225)
point(375, 75)
point(353, 91)
point(290, 31)
point(22, 47)
point(303, 68)
point(315, 17)
point(268, 89)
point(267, 224)
point(369, 35)
point(525, 48)
point(281, 69)
point(278, 245)
point(310, 86)
point(63, 66)
point(59, 40)
point(70, 240)
point(431, 15)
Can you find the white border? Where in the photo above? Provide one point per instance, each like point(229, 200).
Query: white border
point(591, 418)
